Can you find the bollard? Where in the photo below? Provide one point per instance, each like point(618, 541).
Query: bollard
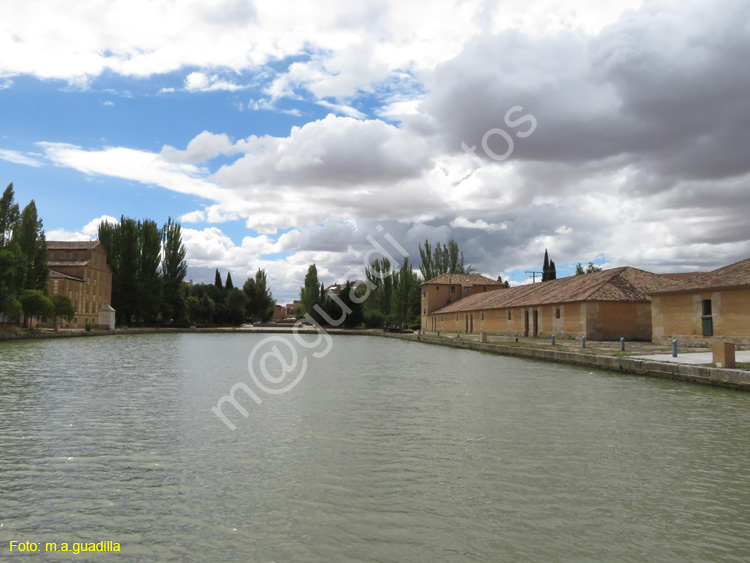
point(516, 339)
point(622, 344)
point(583, 342)
point(553, 340)
point(674, 348)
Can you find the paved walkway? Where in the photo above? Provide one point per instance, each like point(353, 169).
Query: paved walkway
point(695, 358)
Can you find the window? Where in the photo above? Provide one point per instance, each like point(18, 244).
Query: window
point(484, 288)
point(467, 290)
point(424, 294)
point(706, 307)
point(509, 317)
point(453, 288)
point(557, 313)
point(425, 312)
point(456, 317)
point(482, 315)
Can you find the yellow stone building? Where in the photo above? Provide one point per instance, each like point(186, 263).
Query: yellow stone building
point(706, 306)
point(604, 305)
point(80, 271)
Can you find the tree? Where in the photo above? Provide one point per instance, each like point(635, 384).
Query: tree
point(446, 259)
point(355, 314)
point(29, 235)
point(235, 303)
point(149, 279)
point(10, 310)
point(229, 285)
point(63, 307)
point(406, 298)
point(590, 269)
point(260, 303)
point(552, 271)
point(217, 279)
point(310, 294)
point(193, 305)
point(35, 304)
point(8, 215)
point(174, 269)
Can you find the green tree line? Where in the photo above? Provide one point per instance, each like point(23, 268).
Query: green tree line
point(223, 304)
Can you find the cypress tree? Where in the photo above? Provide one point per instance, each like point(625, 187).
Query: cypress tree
point(545, 268)
point(217, 279)
point(229, 285)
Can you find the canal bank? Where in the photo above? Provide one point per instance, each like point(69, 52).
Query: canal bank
point(729, 378)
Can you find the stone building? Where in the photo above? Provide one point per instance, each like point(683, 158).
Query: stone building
point(448, 288)
point(80, 271)
point(604, 305)
point(709, 305)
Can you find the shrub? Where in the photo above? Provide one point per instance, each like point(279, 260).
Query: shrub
point(88, 326)
point(374, 319)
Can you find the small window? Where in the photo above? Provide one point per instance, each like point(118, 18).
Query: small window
point(424, 294)
point(437, 288)
point(425, 312)
point(453, 288)
point(456, 317)
point(706, 307)
point(557, 313)
point(484, 288)
point(509, 317)
point(482, 315)
point(467, 290)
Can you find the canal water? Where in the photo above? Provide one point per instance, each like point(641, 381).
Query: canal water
point(383, 451)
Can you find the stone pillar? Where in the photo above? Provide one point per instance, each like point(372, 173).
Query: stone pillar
point(724, 355)
point(483, 337)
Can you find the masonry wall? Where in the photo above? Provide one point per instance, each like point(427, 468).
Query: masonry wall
point(595, 320)
point(679, 315)
point(91, 295)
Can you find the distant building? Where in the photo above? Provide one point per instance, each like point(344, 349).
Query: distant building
point(448, 288)
point(603, 305)
point(291, 308)
point(337, 287)
point(705, 306)
point(279, 312)
point(80, 271)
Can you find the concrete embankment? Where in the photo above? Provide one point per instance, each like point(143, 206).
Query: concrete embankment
point(731, 378)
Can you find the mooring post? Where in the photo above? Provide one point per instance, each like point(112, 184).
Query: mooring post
point(622, 344)
point(583, 342)
point(674, 348)
point(553, 340)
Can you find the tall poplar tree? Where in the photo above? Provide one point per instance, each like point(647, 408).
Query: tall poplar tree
point(174, 269)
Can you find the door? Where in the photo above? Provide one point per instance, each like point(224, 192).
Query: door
point(707, 319)
point(536, 323)
point(525, 323)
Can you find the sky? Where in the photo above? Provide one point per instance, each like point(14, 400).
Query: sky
point(282, 134)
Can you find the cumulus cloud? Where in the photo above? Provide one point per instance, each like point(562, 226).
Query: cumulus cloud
point(200, 82)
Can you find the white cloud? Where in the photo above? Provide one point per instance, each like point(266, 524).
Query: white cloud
point(19, 158)
point(200, 82)
point(108, 103)
point(166, 91)
point(131, 164)
point(205, 146)
point(64, 235)
point(464, 223)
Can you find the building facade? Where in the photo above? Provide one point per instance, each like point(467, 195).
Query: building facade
point(604, 305)
point(80, 271)
point(707, 306)
point(449, 288)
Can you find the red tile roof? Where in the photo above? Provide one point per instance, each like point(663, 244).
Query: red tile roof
point(733, 276)
point(619, 284)
point(71, 245)
point(682, 275)
point(465, 280)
